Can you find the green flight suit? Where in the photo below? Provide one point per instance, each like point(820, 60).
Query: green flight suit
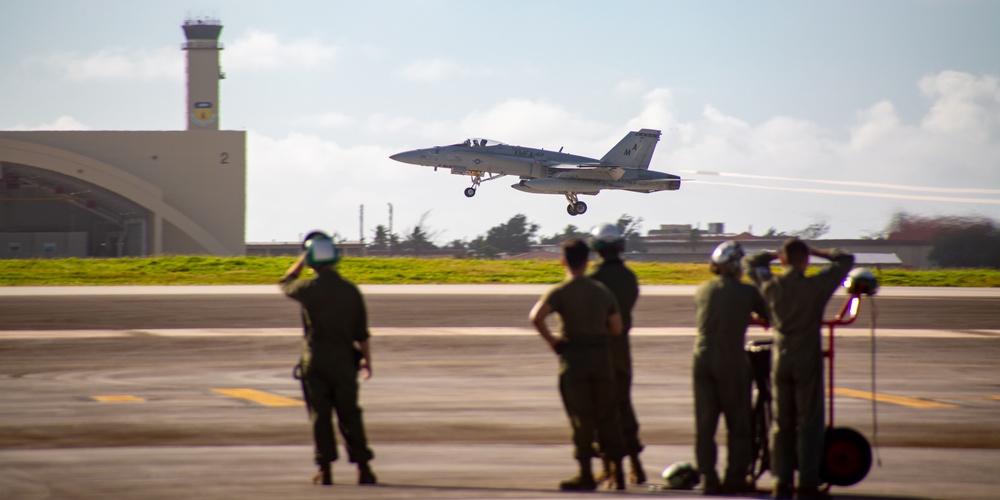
point(797, 303)
point(624, 286)
point(722, 374)
point(586, 382)
point(334, 318)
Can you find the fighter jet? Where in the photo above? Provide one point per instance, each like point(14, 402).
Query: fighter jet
point(625, 167)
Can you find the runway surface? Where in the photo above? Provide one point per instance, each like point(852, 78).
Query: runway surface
point(167, 392)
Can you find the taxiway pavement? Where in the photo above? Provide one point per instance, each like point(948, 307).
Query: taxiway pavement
point(167, 392)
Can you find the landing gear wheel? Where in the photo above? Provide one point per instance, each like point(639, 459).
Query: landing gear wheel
point(847, 457)
point(570, 210)
point(470, 192)
point(580, 207)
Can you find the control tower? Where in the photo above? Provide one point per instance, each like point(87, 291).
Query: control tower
point(203, 73)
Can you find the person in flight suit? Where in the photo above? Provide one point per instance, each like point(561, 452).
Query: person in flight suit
point(797, 303)
point(607, 241)
point(721, 369)
point(588, 317)
point(334, 350)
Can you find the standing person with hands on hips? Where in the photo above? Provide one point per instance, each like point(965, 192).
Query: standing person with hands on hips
point(588, 317)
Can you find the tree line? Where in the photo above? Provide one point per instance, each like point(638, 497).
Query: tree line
point(956, 241)
point(513, 237)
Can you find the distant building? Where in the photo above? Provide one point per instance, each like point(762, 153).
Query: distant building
point(130, 193)
point(682, 243)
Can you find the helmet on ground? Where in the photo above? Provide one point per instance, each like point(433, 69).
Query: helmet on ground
point(681, 476)
point(861, 281)
point(320, 249)
point(728, 253)
point(605, 235)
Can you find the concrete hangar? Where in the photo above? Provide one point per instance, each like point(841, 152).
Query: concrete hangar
point(130, 193)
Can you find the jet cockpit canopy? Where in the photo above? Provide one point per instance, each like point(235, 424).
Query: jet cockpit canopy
point(477, 142)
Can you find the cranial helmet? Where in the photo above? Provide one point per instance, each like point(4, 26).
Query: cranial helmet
point(727, 253)
point(861, 281)
point(320, 249)
point(605, 235)
point(681, 476)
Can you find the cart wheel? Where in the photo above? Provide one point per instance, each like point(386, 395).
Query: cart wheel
point(847, 457)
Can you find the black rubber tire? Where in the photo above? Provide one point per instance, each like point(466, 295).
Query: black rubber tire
point(580, 207)
point(470, 192)
point(570, 210)
point(847, 457)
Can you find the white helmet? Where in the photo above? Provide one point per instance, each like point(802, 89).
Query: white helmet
point(727, 253)
point(604, 235)
point(861, 281)
point(681, 476)
point(320, 249)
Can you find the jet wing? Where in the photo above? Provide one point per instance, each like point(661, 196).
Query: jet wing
point(590, 173)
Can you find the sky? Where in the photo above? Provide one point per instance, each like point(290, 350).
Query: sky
point(778, 114)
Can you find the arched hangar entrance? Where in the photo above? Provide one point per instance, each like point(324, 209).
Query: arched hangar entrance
point(48, 214)
point(57, 203)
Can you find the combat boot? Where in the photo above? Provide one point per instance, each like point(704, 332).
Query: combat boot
point(782, 491)
point(365, 474)
point(711, 486)
point(637, 474)
point(605, 474)
point(619, 475)
point(324, 475)
point(811, 493)
point(584, 481)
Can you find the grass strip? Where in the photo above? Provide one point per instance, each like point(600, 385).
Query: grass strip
point(203, 270)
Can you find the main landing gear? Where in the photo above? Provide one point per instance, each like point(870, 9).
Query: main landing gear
point(575, 207)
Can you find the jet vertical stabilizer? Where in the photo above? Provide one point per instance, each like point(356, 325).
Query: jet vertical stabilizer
point(634, 151)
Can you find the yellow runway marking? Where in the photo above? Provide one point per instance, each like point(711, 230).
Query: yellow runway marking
point(996, 398)
point(118, 399)
point(885, 398)
point(259, 397)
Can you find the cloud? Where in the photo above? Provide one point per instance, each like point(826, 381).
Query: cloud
point(963, 104)
point(260, 50)
point(62, 123)
point(953, 148)
point(302, 182)
point(117, 64)
point(429, 70)
point(790, 172)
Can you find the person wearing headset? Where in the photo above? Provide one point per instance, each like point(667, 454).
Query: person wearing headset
point(335, 349)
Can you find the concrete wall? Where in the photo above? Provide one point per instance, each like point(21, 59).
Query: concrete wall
point(198, 176)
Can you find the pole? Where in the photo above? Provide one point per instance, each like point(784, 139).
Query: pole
point(390, 229)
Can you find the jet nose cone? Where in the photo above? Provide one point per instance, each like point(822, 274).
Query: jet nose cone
point(407, 157)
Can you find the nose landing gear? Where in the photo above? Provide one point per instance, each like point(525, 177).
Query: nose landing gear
point(477, 179)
